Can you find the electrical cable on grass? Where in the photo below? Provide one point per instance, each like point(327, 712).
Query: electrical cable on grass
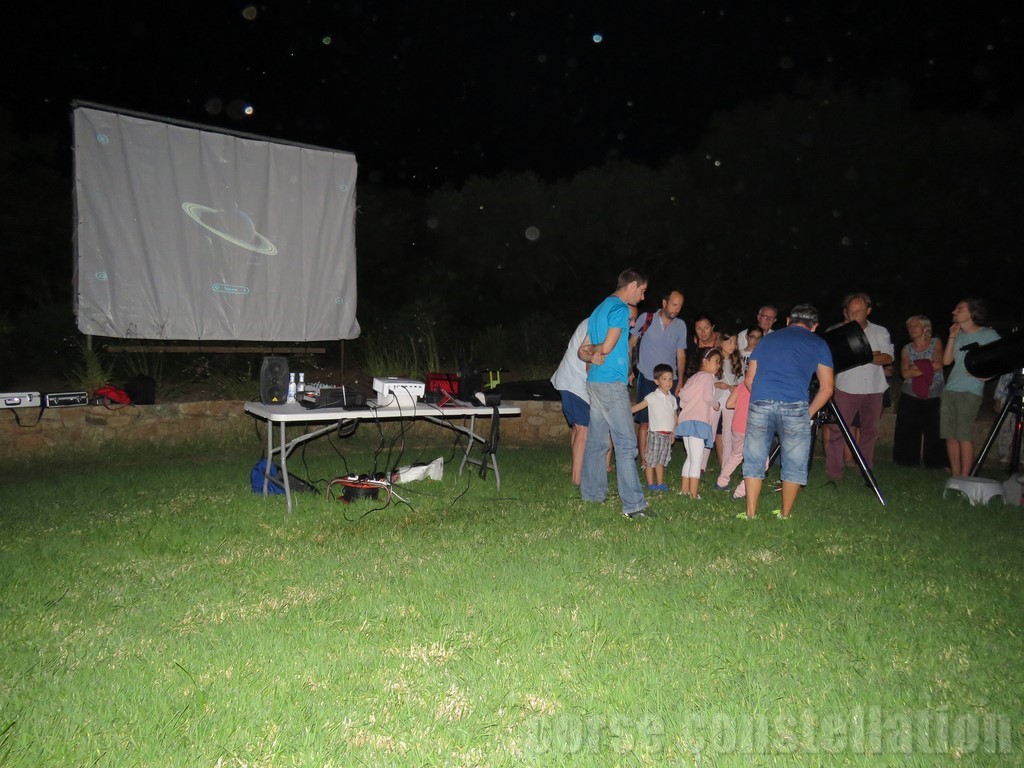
point(362, 488)
point(305, 466)
point(341, 455)
point(343, 427)
point(465, 490)
point(346, 427)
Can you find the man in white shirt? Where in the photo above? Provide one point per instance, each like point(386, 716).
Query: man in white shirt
point(860, 390)
point(570, 379)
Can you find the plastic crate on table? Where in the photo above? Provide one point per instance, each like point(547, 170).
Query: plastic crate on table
point(443, 382)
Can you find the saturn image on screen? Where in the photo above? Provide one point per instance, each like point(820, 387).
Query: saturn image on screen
point(233, 226)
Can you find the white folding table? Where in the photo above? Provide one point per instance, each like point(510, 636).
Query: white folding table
point(294, 413)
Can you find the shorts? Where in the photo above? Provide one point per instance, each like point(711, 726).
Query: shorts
point(575, 409)
point(659, 449)
point(957, 414)
point(792, 422)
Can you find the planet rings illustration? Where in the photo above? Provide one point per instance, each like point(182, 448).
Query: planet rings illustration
point(233, 226)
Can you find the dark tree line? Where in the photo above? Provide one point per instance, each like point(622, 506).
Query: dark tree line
point(785, 200)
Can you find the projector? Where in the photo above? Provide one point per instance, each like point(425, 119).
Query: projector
point(393, 392)
point(20, 400)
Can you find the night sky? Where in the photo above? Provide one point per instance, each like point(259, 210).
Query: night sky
point(428, 93)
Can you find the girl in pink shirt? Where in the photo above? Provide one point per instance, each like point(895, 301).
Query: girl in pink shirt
point(738, 401)
point(697, 403)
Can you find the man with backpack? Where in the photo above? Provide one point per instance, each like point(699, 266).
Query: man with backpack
point(661, 339)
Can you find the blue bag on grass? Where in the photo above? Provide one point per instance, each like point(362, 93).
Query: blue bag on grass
point(273, 488)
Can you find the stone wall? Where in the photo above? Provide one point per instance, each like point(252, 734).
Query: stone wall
point(25, 433)
point(28, 432)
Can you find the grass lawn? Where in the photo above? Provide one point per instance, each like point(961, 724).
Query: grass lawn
point(156, 612)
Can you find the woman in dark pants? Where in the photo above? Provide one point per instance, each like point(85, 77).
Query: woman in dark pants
point(917, 413)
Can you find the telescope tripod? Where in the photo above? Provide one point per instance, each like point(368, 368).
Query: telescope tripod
point(1013, 408)
point(829, 414)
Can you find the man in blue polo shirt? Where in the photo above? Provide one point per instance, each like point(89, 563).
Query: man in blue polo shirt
point(606, 349)
point(779, 378)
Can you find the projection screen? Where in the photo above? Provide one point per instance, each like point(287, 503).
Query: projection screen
point(186, 233)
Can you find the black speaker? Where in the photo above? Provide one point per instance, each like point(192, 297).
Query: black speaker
point(274, 381)
point(141, 389)
point(471, 380)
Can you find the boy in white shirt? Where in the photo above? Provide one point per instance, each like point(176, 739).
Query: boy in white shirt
point(662, 406)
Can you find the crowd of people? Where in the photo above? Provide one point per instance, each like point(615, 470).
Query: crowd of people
point(744, 393)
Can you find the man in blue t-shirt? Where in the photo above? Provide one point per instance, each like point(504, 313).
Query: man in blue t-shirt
point(606, 349)
point(779, 379)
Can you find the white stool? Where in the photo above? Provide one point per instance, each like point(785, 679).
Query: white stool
point(1013, 490)
point(979, 490)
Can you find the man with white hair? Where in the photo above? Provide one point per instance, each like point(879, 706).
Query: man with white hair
point(766, 317)
point(860, 390)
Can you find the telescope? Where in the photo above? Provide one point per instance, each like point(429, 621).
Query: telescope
point(849, 346)
point(1005, 355)
point(997, 357)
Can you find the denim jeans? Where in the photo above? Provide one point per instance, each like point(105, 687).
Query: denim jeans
point(792, 422)
point(610, 414)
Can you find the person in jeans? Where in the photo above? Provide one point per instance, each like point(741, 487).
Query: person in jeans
point(606, 349)
point(779, 379)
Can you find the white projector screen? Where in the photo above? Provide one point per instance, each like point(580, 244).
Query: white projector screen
point(187, 233)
